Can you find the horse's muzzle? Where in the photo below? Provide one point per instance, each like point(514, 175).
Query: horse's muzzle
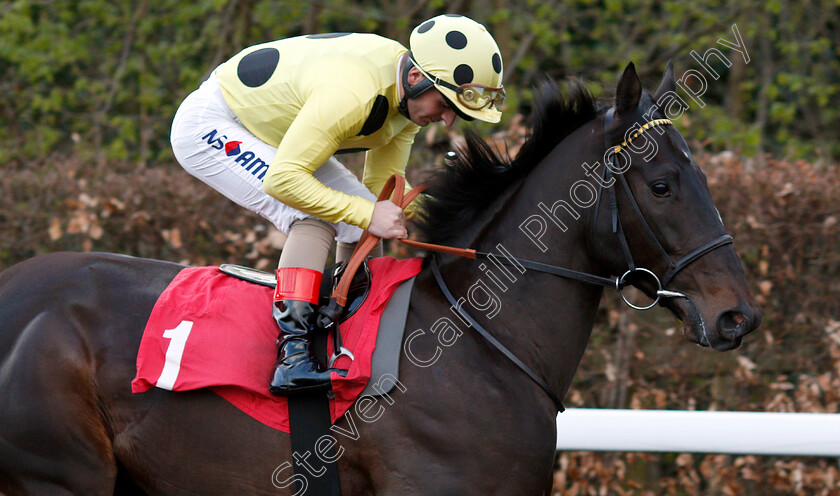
point(728, 329)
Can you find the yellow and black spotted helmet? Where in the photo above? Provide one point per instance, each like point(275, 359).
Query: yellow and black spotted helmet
point(461, 59)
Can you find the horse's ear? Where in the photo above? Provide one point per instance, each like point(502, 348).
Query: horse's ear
point(629, 91)
point(668, 84)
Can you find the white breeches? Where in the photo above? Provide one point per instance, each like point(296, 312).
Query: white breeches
point(211, 144)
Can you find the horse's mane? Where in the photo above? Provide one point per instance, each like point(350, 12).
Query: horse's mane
point(457, 194)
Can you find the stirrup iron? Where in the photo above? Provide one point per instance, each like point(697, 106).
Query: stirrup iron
point(338, 346)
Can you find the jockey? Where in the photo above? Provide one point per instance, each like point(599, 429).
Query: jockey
point(263, 130)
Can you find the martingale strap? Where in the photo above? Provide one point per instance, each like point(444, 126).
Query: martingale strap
point(490, 339)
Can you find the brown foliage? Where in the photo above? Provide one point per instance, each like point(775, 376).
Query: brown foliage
point(158, 212)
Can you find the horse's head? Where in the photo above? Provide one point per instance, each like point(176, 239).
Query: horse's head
point(659, 215)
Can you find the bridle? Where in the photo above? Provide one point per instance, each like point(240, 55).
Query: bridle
point(396, 184)
point(619, 283)
point(673, 266)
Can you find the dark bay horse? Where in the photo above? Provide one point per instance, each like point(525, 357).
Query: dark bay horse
point(463, 419)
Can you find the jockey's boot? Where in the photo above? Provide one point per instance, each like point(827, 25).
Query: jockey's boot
point(295, 306)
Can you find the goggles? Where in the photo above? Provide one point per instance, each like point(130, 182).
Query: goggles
point(471, 95)
point(477, 96)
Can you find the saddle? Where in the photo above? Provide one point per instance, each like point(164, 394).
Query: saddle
point(358, 290)
point(330, 314)
point(224, 326)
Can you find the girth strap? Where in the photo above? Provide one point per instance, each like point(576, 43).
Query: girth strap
point(493, 341)
point(309, 421)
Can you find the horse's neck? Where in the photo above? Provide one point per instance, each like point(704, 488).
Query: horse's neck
point(545, 320)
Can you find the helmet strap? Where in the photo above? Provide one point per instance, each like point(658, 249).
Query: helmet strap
point(418, 89)
point(409, 91)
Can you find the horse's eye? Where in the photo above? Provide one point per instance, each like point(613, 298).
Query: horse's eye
point(660, 189)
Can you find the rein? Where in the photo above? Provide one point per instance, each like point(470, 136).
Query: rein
point(396, 184)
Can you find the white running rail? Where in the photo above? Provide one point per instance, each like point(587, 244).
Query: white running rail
point(677, 431)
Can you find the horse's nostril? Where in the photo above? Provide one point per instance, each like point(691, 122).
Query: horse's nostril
point(733, 323)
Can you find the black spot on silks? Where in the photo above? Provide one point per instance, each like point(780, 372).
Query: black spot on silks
point(463, 74)
point(377, 116)
point(256, 68)
point(456, 40)
point(497, 63)
point(425, 27)
point(323, 36)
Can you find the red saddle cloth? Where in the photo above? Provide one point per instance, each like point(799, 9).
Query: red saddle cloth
point(210, 330)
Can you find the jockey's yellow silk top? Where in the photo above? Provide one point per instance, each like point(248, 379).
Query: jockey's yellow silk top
point(317, 95)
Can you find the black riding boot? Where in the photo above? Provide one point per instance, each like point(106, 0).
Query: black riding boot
point(296, 371)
